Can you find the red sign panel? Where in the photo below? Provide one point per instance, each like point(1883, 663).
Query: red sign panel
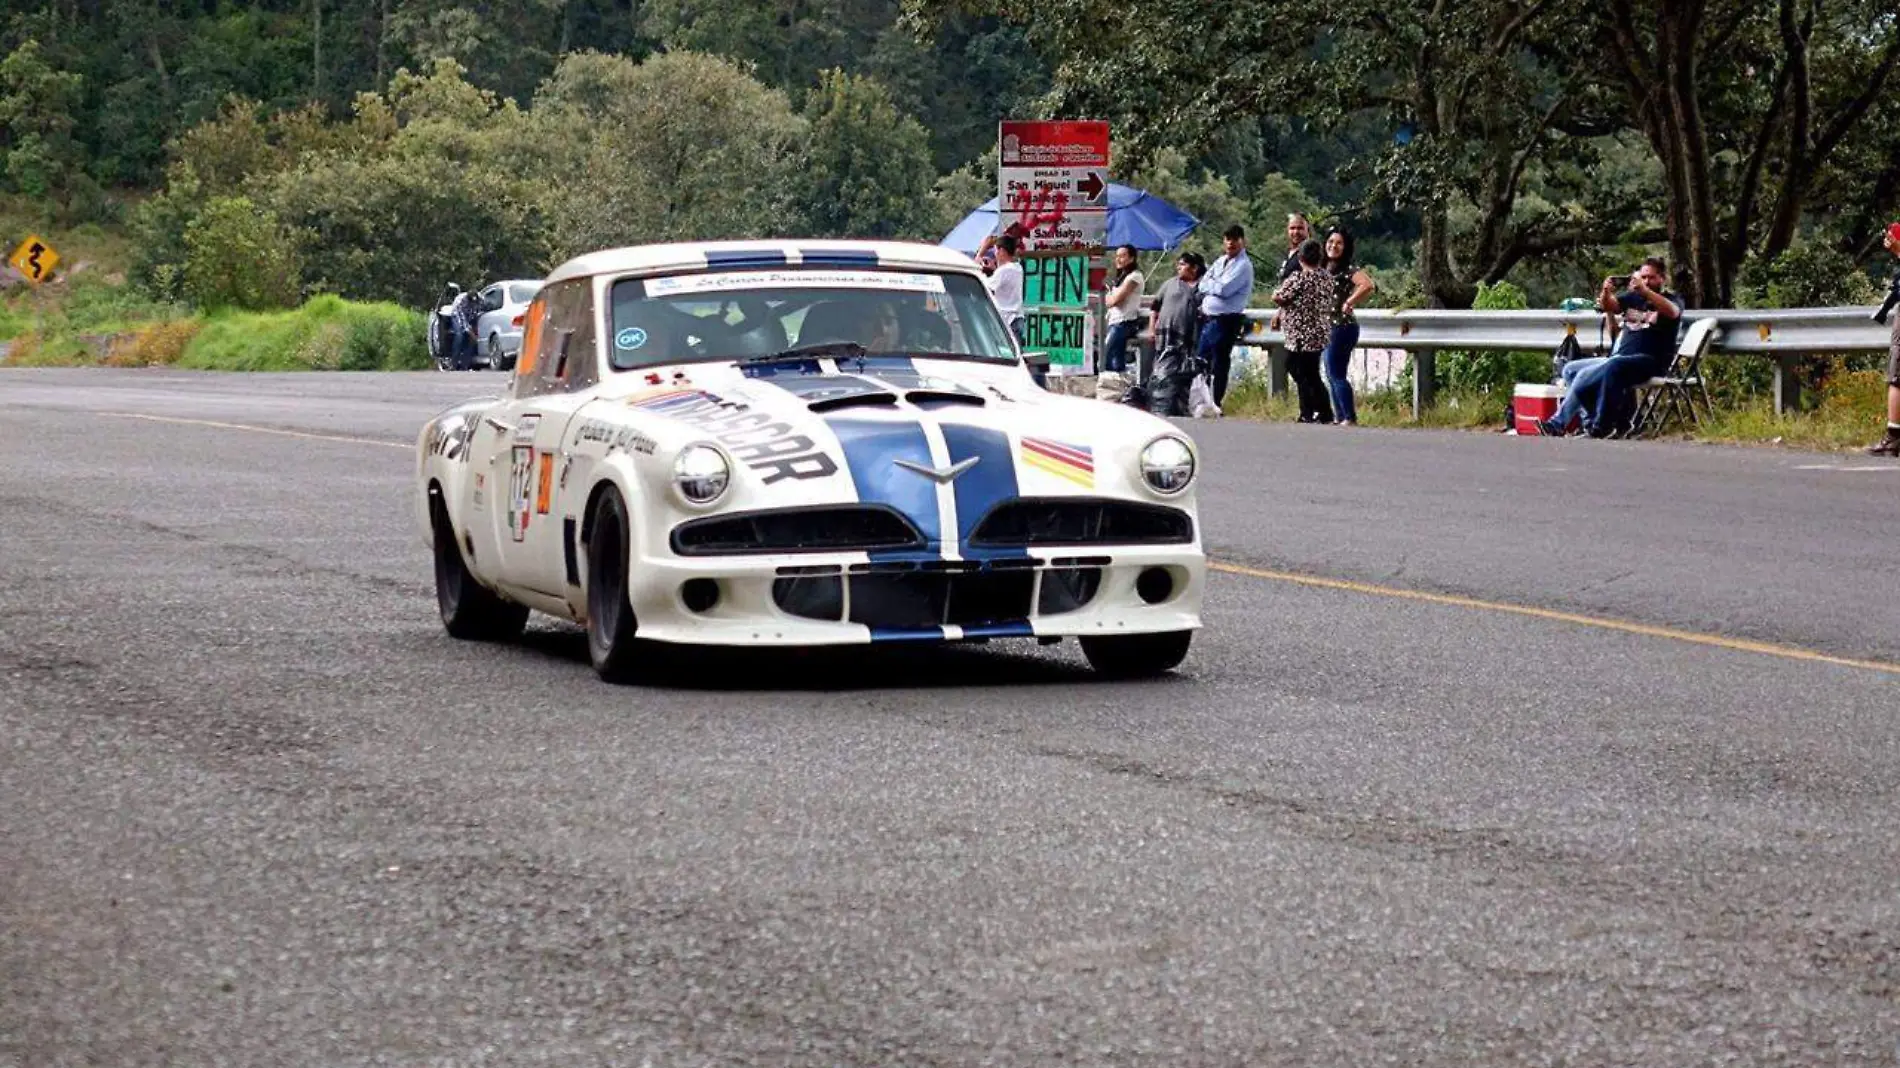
point(1071, 143)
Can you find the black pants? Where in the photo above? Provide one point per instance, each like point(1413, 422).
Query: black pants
point(1216, 348)
point(1314, 406)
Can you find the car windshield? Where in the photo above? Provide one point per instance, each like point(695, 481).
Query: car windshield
point(521, 293)
point(735, 315)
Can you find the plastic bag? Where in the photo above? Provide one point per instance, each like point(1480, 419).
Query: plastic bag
point(1111, 385)
point(1201, 398)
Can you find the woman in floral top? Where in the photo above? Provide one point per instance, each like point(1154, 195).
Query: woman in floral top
point(1306, 321)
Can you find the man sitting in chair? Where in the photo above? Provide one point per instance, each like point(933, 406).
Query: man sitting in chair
point(1643, 321)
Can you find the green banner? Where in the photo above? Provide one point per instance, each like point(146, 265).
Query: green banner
point(1056, 281)
point(1061, 334)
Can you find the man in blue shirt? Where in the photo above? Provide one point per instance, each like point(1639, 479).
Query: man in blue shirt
point(1224, 291)
point(1643, 321)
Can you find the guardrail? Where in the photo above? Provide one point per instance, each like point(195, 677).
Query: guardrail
point(1786, 334)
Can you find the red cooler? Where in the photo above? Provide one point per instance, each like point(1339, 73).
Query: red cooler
point(1532, 403)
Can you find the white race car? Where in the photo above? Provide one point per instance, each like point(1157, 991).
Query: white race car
point(803, 443)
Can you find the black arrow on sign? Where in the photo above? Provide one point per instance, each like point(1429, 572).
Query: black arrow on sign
point(1090, 187)
point(33, 260)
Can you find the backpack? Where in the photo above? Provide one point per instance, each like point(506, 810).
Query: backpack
point(1566, 352)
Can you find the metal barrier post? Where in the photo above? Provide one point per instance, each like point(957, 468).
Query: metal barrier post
point(1276, 371)
point(1787, 383)
point(1424, 381)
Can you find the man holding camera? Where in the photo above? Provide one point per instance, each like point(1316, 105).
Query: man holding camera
point(1643, 320)
point(1890, 445)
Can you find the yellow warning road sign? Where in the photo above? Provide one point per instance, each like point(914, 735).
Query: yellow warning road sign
point(34, 258)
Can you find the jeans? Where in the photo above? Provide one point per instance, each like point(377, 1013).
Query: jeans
point(1216, 348)
point(1338, 357)
point(1115, 347)
point(1576, 367)
point(1304, 367)
point(1602, 394)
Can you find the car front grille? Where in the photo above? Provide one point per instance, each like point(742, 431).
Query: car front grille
point(1036, 521)
point(909, 594)
point(821, 529)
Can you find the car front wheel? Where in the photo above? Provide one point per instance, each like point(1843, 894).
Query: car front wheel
point(611, 626)
point(1137, 656)
point(470, 611)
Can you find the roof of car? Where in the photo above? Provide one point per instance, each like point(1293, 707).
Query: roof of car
point(710, 255)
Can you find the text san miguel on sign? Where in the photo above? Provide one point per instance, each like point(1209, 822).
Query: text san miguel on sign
point(1053, 178)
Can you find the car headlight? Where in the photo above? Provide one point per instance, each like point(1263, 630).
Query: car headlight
point(1167, 465)
point(702, 474)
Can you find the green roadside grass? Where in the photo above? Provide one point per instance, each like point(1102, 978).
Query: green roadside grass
point(1849, 412)
point(101, 325)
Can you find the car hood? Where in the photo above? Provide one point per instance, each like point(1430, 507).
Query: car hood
point(940, 441)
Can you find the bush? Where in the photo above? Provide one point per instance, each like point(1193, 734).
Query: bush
point(238, 255)
point(158, 345)
point(326, 334)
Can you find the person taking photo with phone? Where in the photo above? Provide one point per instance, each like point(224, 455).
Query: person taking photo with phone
point(1642, 315)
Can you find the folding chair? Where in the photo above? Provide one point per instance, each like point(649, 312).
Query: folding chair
point(1673, 395)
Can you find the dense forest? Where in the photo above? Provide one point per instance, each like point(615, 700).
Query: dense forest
point(260, 152)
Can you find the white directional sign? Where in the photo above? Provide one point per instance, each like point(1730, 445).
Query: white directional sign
point(1052, 179)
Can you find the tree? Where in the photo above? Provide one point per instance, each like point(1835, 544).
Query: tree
point(1480, 107)
point(36, 105)
point(680, 147)
point(240, 256)
point(1746, 141)
point(866, 170)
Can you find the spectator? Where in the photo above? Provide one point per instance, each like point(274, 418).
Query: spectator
point(1350, 286)
point(1890, 445)
point(1006, 285)
point(464, 315)
point(1176, 326)
point(1298, 231)
point(986, 250)
point(1643, 323)
point(1123, 305)
point(1306, 301)
point(1224, 292)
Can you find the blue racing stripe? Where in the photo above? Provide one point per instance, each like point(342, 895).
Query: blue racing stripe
point(745, 257)
point(838, 257)
point(906, 634)
point(1016, 629)
point(871, 451)
point(990, 482)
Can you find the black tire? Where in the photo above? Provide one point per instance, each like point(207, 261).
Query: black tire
point(1137, 656)
point(494, 352)
point(612, 642)
point(470, 611)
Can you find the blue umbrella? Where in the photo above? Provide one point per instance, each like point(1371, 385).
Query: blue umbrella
point(1134, 218)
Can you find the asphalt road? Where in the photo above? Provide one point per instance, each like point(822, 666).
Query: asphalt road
point(256, 809)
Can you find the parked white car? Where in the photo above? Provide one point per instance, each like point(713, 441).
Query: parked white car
point(498, 331)
point(803, 443)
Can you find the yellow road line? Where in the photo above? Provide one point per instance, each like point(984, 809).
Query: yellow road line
point(257, 429)
point(1740, 645)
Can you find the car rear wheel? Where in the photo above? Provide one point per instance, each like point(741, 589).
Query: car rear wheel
point(494, 352)
point(612, 644)
point(470, 611)
point(1137, 656)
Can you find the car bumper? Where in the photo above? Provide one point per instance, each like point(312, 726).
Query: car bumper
point(1032, 595)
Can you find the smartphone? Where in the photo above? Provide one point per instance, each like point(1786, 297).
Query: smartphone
point(1619, 281)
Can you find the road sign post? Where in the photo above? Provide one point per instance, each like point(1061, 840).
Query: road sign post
point(1052, 180)
point(34, 259)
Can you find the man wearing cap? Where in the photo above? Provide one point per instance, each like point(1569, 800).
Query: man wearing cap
point(1890, 310)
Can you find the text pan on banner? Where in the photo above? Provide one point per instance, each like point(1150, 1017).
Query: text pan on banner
point(1064, 335)
point(1056, 280)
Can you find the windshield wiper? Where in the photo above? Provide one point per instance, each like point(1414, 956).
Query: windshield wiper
point(802, 353)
